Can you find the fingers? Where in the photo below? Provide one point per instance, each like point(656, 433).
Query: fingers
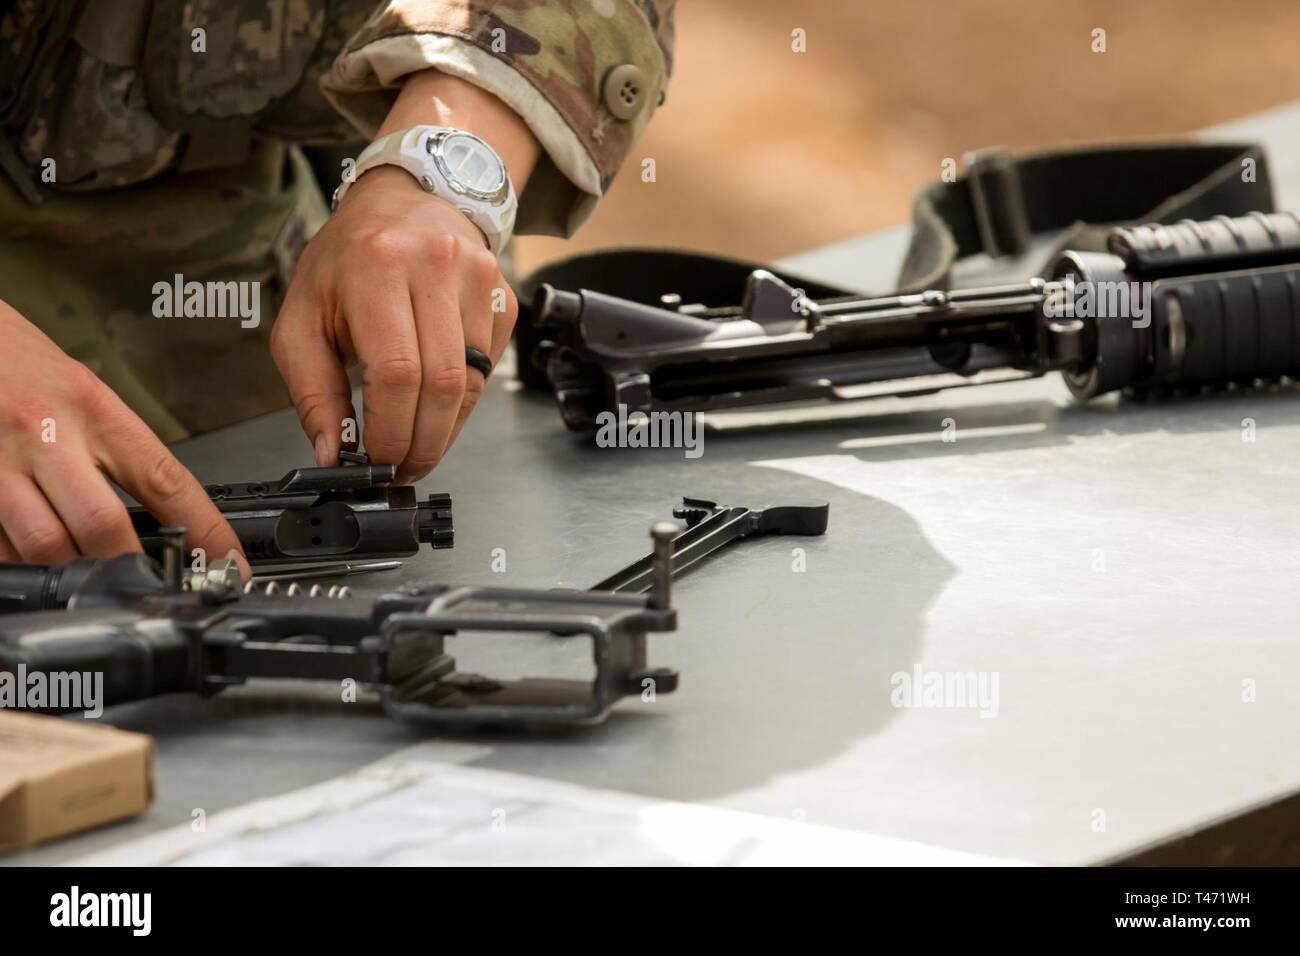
point(406, 319)
point(316, 379)
point(503, 319)
point(31, 526)
point(150, 473)
point(450, 390)
point(91, 512)
point(383, 332)
point(487, 328)
point(480, 286)
point(55, 501)
point(8, 552)
point(443, 381)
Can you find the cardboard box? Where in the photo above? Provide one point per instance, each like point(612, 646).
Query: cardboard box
point(61, 776)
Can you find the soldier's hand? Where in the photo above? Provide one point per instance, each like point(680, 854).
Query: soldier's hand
point(398, 282)
point(62, 431)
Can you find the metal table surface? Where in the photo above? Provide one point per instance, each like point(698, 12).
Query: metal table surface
point(1126, 571)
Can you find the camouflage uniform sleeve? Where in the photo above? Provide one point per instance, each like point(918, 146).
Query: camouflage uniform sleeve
point(549, 60)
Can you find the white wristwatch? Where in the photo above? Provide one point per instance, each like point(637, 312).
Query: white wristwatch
point(454, 165)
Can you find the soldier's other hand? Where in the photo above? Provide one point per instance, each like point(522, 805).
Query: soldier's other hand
point(398, 282)
point(62, 431)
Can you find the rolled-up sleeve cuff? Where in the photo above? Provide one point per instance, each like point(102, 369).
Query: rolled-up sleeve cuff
point(565, 187)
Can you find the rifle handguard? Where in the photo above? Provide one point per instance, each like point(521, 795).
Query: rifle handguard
point(1173, 308)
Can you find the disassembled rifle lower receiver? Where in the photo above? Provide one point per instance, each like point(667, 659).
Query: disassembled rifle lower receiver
point(153, 631)
point(149, 634)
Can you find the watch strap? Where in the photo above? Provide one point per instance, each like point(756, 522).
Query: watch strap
point(404, 150)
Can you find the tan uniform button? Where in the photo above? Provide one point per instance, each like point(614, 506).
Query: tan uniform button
point(624, 91)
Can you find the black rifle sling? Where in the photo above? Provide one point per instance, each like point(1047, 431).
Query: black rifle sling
point(1001, 201)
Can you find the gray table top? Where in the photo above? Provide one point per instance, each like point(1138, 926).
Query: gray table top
point(1126, 572)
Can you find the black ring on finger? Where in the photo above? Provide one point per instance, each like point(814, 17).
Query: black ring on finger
point(479, 360)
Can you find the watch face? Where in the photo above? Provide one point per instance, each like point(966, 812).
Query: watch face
point(469, 163)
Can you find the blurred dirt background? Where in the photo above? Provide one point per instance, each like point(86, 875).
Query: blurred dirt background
point(888, 88)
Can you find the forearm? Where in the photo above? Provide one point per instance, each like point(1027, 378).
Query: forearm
point(550, 63)
point(435, 98)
